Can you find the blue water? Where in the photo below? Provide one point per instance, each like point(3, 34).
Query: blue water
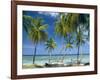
point(44, 59)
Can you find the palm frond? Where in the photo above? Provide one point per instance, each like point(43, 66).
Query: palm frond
point(43, 27)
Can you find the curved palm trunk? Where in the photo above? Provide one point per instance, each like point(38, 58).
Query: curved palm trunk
point(64, 55)
point(35, 49)
point(61, 53)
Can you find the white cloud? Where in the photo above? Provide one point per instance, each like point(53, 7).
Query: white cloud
point(52, 14)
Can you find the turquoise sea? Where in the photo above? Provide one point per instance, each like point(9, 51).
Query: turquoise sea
point(42, 59)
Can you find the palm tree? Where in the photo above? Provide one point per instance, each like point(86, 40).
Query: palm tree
point(75, 20)
point(70, 23)
point(68, 46)
point(68, 41)
point(79, 41)
point(61, 28)
point(36, 31)
point(50, 46)
point(79, 24)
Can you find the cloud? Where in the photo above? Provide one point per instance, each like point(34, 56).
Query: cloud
point(52, 14)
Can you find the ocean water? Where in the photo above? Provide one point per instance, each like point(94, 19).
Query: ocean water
point(54, 59)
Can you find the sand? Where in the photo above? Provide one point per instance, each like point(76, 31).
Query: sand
point(31, 66)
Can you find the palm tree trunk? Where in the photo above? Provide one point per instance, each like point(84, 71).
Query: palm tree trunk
point(61, 53)
point(64, 55)
point(78, 49)
point(78, 55)
point(35, 49)
point(49, 57)
point(81, 54)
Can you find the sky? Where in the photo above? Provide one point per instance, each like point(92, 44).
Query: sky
point(49, 18)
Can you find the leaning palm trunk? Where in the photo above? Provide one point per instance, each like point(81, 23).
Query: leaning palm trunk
point(35, 49)
point(63, 57)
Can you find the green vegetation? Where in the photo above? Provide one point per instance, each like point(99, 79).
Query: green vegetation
point(71, 27)
point(73, 23)
point(79, 24)
point(50, 46)
point(36, 31)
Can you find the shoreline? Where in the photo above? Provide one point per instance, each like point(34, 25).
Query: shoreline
point(46, 65)
point(57, 54)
